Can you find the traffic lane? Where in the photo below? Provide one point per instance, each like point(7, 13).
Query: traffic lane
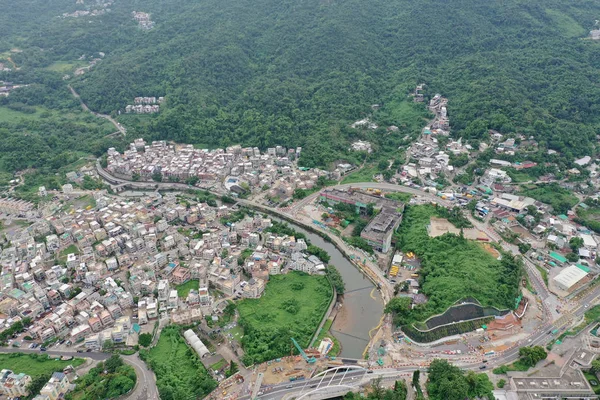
point(392, 374)
point(283, 388)
point(146, 380)
point(92, 355)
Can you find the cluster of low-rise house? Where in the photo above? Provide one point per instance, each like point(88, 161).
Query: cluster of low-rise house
point(95, 275)
point(441, 122)
point(148, 100)
point(143, 19)
point(145, 105)
point(16, 385)
point(103, 8)
point(142, 109)
point(239, 169)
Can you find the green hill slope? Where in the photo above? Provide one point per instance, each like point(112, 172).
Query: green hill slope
point(296, 73)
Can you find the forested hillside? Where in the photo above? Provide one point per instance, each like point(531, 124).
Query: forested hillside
point(296, 73)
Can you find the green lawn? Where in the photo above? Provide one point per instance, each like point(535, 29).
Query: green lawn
point(404, 112)
point(561, 200)
point(544, 273)
point(237, 332)
point(365, 174)
point(568, 26)
point(519, 176)
point(591, 377)
point(35, 364)
point(8, 115)
point(184, 289)
point(399, 196)
point(325, 332)
point(516, 366)
point(65, 252)
point(291, 306)
point(218, 365)
point(64, 66)
point(179, 373)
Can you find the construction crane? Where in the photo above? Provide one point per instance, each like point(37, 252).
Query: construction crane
point(310, 360)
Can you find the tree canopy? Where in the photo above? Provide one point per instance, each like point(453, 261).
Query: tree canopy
point(448, 382)
point(268, 72)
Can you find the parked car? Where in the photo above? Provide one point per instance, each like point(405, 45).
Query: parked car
point(42, 349)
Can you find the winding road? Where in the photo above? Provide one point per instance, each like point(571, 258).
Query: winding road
point(541, 336)
point(120, 128)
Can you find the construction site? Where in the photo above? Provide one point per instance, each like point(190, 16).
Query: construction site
point(299, 367)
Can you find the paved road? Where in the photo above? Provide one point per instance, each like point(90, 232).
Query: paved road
point(146, 385)
point(92, 355)
point(120, 129)
point(145, 388)
point(540, 337)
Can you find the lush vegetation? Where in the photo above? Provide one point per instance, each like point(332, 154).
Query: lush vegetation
point(35, 364)
point(454, 268)
point(528, 357)
point(336, 279)
point(448, 382)
point(456, 328)
point(179, 372)
point(145, 339)
point(107, 380)
point(298, 74)
point(325, 332)
point(561, 200)
point(13, 329)
point(184, 289)
point(378, 392)
point(399, 196)
point(291, 306)
point(589, 217)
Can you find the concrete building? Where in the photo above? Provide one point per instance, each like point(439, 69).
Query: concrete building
point(378, 233)
point(569, 277)
point(57, 386)
point(14, 385)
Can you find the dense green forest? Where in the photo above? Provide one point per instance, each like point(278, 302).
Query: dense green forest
point(296, 73)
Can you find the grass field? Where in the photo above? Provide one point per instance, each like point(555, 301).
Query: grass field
point(592, 378)
point(8, 115)
point(560, 199)
point(35, 364)
point(64, 66)
point(405, 112)
point(184, 288)
point(65, 252)
point(544, 274)
point(516, 366)
point(567, 25)
point(179, 373)
point(218, 365)
point(519, 176)
point(291, 306)
point(335, 350)
point(365, 174)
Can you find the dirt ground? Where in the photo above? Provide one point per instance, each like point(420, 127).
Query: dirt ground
point(490, 249)
point(279, 372)
point(441, 226)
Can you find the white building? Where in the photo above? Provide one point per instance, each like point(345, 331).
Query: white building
point(569, 277)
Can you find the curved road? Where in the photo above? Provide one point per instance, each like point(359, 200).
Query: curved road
point(145, 388)
point(539, 337)
point(119, 127)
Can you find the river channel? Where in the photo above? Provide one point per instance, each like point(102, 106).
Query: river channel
point(362, 305)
